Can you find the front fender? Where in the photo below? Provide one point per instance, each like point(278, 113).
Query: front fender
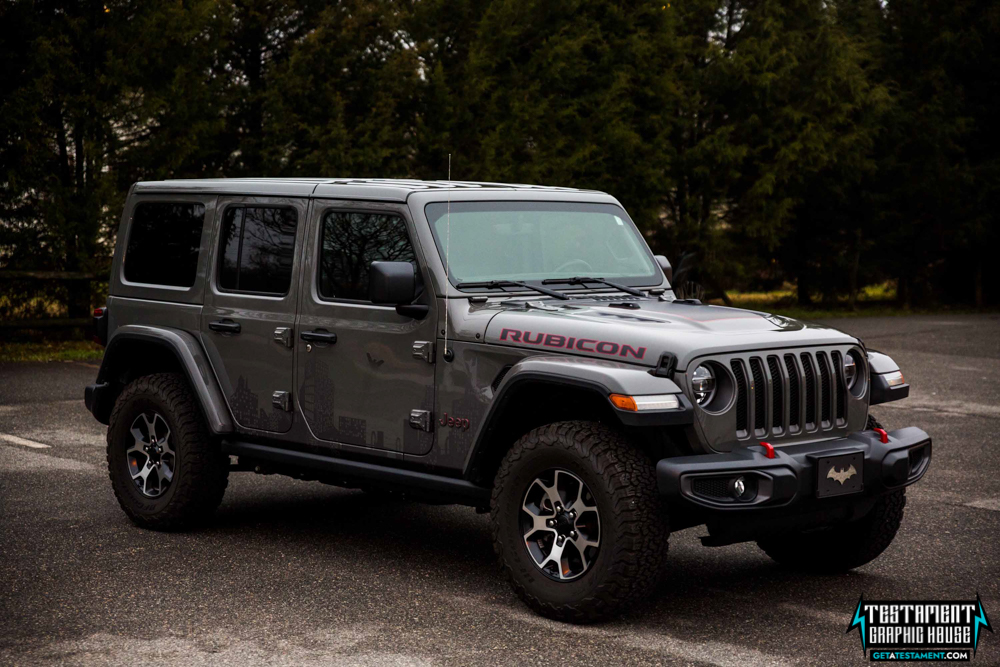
point(604, 377)
point(599, 377)
point(190, 356)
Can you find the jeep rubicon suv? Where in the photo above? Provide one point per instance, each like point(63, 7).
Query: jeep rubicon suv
point(514, 348)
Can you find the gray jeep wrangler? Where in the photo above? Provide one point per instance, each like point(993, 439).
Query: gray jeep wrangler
point(513, 348)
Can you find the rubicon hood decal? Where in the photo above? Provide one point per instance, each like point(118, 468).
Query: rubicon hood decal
point(588, 345)
point(641, 334)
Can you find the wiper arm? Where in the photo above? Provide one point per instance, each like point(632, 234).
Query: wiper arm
point(493, 284)
point(580, 280)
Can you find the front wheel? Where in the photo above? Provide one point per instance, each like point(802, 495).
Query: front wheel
point(844, 547)
point(577, 523)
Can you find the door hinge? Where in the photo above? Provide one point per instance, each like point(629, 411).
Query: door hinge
point(422, 420)
point(282, 400)
point(423, 349)
point(283, 335)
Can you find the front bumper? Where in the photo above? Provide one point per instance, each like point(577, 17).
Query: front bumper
point(790, 480)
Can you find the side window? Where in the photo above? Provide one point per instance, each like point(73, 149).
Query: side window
point(257, 249)
point(163, 244)
point(350, 243)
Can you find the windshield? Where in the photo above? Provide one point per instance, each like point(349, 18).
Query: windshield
point(533, 241)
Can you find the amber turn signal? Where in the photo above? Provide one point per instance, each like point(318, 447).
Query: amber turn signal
point(645, 403)
point(623, 402)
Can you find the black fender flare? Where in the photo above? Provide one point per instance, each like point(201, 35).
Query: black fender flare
point(599, 376)
point(190, 356)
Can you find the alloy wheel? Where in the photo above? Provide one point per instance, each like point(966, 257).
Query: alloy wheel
point(151, 458)
point(560, 524)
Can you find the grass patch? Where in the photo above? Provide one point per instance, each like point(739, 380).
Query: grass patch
point(67, 350)
point(873, 301)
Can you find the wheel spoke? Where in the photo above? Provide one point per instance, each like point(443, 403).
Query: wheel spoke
point(150, 429)
point(551, 492)
point(163, 433)
point(140, 440)
point(145, 486)
point(166, 472)
point(555, 556)
point(539, 524)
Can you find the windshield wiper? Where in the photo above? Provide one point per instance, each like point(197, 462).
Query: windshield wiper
point(581, 280)
point(493, 284)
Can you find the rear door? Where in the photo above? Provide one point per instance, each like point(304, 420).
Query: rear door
point(249, 313)
point(365, 368)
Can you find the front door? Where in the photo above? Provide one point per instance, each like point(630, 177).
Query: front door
point(249, 308)
point(359, 375)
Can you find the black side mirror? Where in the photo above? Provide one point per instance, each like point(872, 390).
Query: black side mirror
point(395, 284)
point(668, 270)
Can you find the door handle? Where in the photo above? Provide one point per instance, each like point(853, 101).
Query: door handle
point(319, 336)
point(225, 326)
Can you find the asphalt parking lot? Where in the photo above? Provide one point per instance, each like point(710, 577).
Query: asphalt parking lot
point(300, 573)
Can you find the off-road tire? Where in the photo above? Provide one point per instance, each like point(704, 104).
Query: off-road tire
point(634, 528)
point(844, 547)
point(201, 472)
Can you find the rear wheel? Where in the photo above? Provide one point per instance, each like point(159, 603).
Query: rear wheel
point(577, 522)
point(165, 470)
point(844, 547)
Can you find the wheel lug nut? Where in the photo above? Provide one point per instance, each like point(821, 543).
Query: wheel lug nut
point(573, 534)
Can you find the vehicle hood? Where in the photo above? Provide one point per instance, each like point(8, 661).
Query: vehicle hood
point(640, 330)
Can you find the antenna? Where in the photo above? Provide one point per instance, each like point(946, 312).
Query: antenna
point(448, 354)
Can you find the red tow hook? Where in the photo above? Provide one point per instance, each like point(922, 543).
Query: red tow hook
point(768, 449)
point(883, 436)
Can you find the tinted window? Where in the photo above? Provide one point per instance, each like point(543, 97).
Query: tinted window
point(163, 244)
point(257, 249)
point(351, 242)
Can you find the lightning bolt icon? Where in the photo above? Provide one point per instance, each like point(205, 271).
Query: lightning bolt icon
point(859, 622)
point(980, 619)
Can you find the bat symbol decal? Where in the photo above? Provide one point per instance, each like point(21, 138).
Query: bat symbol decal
point(841, 475)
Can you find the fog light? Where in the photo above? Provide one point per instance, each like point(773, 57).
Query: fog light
point(742, 488)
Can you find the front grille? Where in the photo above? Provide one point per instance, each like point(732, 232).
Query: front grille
point(794, 382)
point(824, 384)
point(841, 392)
point(777, 395)
point(759, 396)
point(741, 400)
point(810, 382)
point(803, 394)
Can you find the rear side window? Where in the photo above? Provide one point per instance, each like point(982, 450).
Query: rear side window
point(163, 244)
point(258, 245)
point(351, 242)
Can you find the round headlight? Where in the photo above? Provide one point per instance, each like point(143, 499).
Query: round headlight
point(703, 384)
point(850, 370)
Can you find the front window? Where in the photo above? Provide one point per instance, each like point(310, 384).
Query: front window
point(534, 241)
